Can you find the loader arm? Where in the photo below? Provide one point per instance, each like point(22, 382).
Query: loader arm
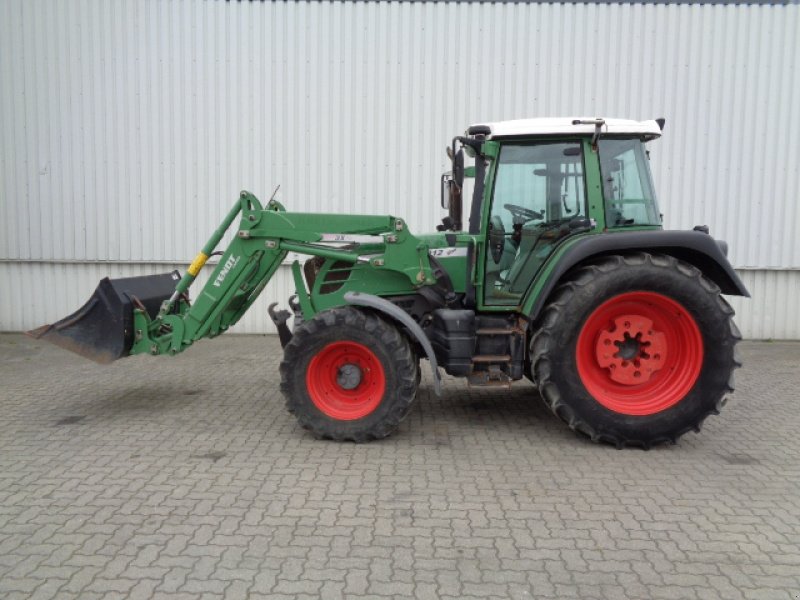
point(152, 315)
point(264, 238)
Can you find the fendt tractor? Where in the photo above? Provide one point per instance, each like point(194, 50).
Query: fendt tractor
point(559, 271)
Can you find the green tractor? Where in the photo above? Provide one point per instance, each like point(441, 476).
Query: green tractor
point(560, 272)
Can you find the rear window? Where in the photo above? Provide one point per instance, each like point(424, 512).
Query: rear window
point(627, 184)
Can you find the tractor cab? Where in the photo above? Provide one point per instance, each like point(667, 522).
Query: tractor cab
point(539, 182)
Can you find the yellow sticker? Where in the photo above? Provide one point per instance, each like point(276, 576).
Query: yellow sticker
point(197, 264)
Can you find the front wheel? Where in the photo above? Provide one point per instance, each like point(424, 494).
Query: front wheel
point(349, 375)
point(636, 350)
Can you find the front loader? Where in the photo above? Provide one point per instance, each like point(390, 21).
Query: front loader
point(562, 274)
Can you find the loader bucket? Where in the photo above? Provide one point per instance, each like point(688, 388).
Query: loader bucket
point(102, 329)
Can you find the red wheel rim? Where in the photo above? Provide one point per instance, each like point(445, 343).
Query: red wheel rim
point(345, 380)
point(639, 353)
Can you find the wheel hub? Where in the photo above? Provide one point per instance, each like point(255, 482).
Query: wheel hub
point(631, 350)
point(349, 376)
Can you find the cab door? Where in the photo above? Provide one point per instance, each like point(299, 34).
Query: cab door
point(538, 197)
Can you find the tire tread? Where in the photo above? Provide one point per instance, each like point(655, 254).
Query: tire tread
point(558, 310)
point(406, 367)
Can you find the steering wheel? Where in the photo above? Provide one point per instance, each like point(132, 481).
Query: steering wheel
point(525, 214)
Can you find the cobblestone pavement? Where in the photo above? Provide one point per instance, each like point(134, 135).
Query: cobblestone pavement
point(184, 477)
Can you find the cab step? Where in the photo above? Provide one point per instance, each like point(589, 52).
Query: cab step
point(493, 377)
point(492, 358)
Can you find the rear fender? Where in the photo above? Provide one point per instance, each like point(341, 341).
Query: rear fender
point(694, 247)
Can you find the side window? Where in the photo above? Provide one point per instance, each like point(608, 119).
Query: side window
point(627, 185)
point(538, 189)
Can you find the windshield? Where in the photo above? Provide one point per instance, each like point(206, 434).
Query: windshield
point(627, 185)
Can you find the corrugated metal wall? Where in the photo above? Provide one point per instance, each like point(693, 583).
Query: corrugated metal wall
point(127, 128)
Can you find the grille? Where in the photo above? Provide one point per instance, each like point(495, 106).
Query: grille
point(335, 277)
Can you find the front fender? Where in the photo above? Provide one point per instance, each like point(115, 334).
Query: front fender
point(694, 247)
point(398, 314)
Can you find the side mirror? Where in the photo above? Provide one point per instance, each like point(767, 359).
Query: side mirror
point(447, 183)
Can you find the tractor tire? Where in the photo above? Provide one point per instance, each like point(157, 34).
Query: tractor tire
point(348, 374)
point(635, 350)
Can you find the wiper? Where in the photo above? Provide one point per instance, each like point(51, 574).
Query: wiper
point(577, 223)
point(563, 227)
point(573, 223)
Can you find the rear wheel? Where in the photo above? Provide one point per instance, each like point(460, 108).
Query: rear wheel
point(636, 350)
point(349, 375)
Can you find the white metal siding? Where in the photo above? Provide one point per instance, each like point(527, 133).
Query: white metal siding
point(127, 128)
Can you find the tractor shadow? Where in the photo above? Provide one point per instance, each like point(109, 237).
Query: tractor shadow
point(501, 413)
point(515, 418)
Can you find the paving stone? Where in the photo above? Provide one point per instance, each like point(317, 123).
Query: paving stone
point(186, 478)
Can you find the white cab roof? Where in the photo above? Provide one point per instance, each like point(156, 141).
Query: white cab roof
point(564, 126)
